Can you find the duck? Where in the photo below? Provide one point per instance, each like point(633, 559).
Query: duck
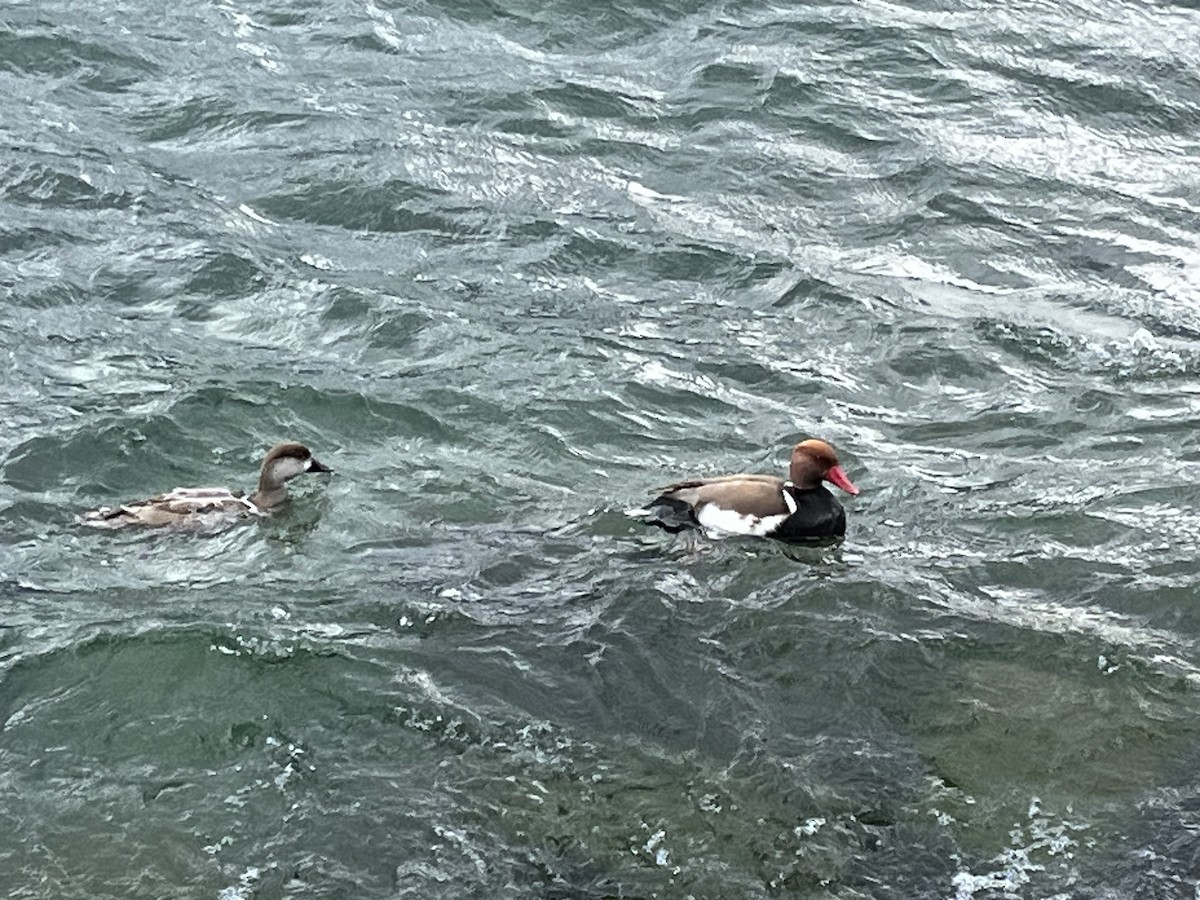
point(206, 509)
point(799, 508)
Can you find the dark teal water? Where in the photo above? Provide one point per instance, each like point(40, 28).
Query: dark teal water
point(510, 266)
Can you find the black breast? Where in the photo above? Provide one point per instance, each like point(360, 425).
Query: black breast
point(818, 515)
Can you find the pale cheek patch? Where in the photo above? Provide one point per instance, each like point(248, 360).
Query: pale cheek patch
point(732, 522)
point(287, 467)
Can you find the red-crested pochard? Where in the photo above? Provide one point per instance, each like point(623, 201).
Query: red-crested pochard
point(209, 509)
point(798, 509)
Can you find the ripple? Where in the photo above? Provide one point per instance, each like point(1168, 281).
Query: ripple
point(512, 268)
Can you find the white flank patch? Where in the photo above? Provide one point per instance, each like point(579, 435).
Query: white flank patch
point(730, 521)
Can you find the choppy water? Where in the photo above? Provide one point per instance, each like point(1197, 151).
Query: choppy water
point(508, 266)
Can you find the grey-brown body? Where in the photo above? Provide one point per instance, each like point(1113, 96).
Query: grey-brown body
point(207, 509)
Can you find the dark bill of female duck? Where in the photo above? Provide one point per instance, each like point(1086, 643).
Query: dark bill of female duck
point(208, 509)
point(799, 508)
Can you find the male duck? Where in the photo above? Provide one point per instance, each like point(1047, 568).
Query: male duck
point(798, 509)
point(210, 508)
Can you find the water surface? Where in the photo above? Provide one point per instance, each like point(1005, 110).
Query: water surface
point(508, 267)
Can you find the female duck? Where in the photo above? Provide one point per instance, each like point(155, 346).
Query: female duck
point(798, 509)
point(205, 509)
